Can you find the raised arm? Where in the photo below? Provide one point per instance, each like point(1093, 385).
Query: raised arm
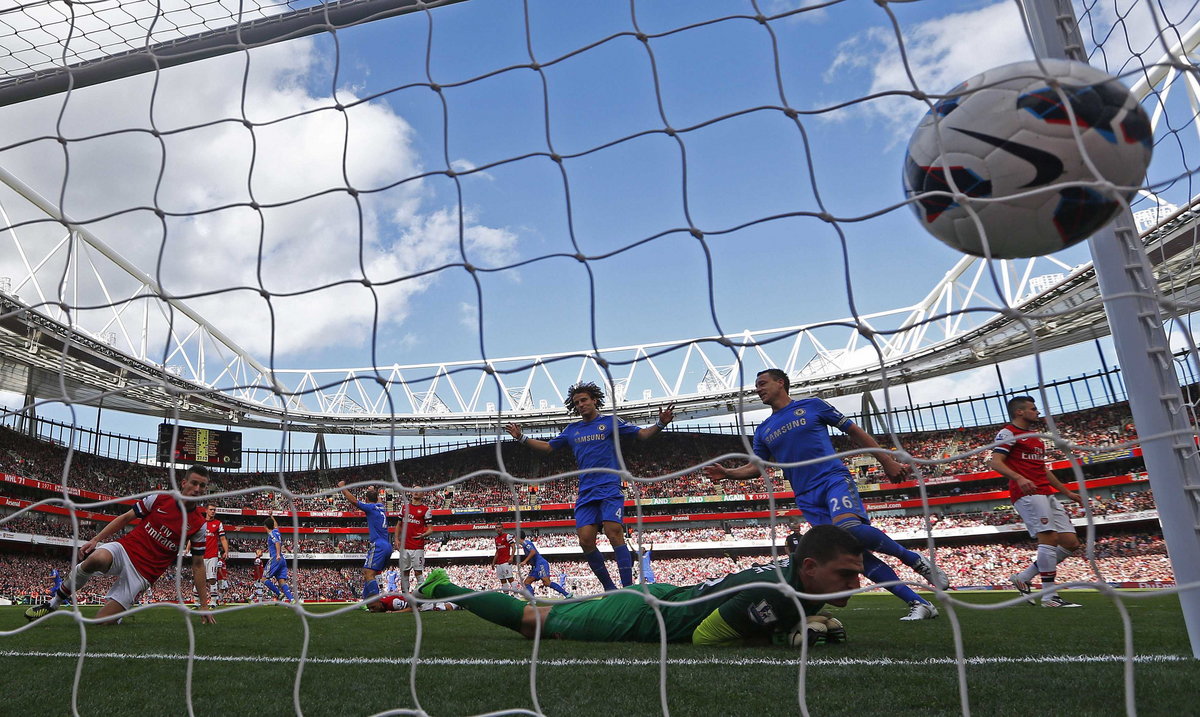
point(664, 417)
point(892, 467)
point(716, 471)
point(347, 494)
point(538, 445)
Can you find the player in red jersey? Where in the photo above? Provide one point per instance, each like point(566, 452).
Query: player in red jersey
point(1020, 456)
point(216, 548)
point(222, 579)
point(139, 557)
point(389, 603)
point(503, 559)
point(257, 574)
point(410, 536)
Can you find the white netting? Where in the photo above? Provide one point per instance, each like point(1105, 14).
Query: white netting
point(463, 207)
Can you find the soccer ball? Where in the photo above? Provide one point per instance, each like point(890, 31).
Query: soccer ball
point(1008, 132)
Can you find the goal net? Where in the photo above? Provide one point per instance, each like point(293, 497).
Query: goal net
point(370, 235)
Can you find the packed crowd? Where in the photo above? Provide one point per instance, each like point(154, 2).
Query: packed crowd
point(26, 578)
point(1124, 556)
point(674, 452)
point(754, 530)
point(956, 452)
point(1119, 558)
point(42, 524)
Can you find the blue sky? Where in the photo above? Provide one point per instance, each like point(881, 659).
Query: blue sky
point(740, 167)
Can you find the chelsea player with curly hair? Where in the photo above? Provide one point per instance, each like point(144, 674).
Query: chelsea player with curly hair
point(595, 441)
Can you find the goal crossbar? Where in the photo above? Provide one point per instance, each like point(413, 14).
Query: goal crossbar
point(201, 46)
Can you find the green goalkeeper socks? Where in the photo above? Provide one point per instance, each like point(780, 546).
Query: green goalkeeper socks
point(504, 610)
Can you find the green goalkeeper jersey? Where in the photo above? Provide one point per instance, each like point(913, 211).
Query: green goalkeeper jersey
point(758, 610)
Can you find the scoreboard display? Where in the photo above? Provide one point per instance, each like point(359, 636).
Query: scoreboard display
point(199, 445)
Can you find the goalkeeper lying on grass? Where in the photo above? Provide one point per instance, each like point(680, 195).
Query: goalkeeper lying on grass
point(828, 560)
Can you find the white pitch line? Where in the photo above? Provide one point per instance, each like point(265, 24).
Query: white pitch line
point(572, 662)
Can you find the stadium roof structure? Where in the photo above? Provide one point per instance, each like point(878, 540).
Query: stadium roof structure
point(52, 349)
point(46, 357)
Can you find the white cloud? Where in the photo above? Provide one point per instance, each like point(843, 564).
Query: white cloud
point(1136, 34)
point(468, 315)
point(332, 209)
point(940, 54)
point(463, 166)
point(777, 7)
point(944, 51)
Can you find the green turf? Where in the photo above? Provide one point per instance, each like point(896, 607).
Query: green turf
point(249, 685)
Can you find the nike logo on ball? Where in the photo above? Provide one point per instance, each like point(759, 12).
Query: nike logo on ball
point(1047, 166)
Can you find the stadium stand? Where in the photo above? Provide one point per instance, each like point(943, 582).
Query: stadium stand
point(729, 523)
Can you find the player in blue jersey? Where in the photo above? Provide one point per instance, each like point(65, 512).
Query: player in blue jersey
point(58, 581)
point(647, 568)
point(277, 569)
point(380, 550)
point(539, 569)
point(601, 504)
point(825, 492)
point(391, 581)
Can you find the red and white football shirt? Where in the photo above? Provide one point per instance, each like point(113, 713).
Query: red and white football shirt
point(414, 523)
point(393, 603)
point(504, 543)
point(153, 545)
point(258, 568)
point(1026, 455)
point(214, 530)
point(222, 570)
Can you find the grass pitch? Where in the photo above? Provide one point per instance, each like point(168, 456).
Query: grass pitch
point(1020, 660)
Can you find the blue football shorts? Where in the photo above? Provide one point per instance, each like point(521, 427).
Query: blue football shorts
point(595, 512)
point(277, 570)
point(378, 555)
point(836, 502)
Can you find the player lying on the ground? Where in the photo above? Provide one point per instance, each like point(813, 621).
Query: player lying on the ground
point(144, 553)
point(828, 560)
point(389, 603)
point(397, 603)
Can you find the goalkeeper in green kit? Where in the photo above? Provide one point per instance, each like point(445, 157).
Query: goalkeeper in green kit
point(828, 560)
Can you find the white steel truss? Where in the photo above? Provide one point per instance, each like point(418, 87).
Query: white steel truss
point(964, 321)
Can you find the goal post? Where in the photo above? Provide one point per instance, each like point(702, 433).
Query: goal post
point(1136, 321)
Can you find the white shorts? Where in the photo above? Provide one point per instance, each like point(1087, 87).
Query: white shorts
point(210, 569)
point(223, 584)
point(1043, 513)
point(504, 571)
point(412, 560)
point(130, 583)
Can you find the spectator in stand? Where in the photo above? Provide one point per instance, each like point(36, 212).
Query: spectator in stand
point(793, 539)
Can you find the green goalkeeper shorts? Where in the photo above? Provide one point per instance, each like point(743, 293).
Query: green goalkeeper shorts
point(624, 616)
